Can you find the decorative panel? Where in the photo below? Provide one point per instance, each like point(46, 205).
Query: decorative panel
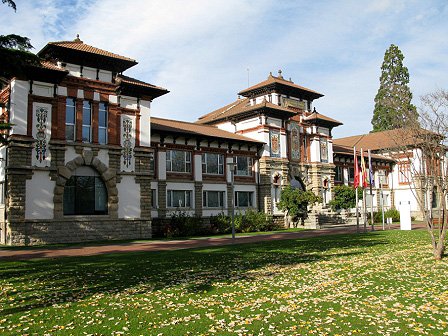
point(274, 141)
point(295, 141)
point(323, 150)
point(127, 143)
point(41, 134)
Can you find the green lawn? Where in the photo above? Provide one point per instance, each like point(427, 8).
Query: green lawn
point(376, 283)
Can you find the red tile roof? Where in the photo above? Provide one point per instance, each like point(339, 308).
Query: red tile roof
point(130, 80)
point(316, 117)
point(77, 44)
point(242, 105)
point(280, 80)
point(196, 129)
point(379, 140)
point(348, 151)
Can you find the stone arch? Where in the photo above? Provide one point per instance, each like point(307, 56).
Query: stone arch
point(109, 176)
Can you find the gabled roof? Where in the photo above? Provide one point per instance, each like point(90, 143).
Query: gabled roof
point(243, 107)
point(282, 85)
point(128, 85)
point(378, 140)
point(321, 120)
point(201, 131)
point(77, 52)
point(348, 151)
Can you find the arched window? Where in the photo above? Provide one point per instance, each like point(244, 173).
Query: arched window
point(85, 193)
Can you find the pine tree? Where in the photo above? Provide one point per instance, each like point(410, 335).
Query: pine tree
point(393, 107)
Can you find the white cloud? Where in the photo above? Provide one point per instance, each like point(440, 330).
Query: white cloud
point(200, 50)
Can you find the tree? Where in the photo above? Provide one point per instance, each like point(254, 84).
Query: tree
point(14, 59)
point(422, 145)
point(393, 101)
point(296, 201)
point(344, 197)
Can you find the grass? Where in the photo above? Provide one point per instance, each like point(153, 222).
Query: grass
point(384, 282)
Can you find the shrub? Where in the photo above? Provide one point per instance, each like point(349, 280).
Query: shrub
point(184, 225)
point(251, 221)
point(394, 214)
point(344, 197)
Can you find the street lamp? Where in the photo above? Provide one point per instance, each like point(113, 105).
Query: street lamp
point(232, 168)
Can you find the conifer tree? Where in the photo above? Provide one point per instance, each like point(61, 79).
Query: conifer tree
point(393, 107)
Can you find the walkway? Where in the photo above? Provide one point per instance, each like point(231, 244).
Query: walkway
point(10, 255)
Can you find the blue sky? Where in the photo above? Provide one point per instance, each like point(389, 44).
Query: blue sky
point(200, 50)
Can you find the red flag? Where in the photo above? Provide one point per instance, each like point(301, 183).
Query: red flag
point(356, 177)
point(364, 182)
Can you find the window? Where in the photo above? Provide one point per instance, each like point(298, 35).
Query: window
point(243, 165)
point(212, 163)
point(2, 193)
point(404, 173)
point(86, 121)
point(178, 161)
point(244, 199)
point(351, 174)
point(153, 198)
point(70, 119)
point(213, 199)
point(338, 175)
point(85, 193)
point(178, 199)
point(102, 124)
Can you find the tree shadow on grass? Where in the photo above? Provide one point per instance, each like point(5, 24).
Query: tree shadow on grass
point(42, 283)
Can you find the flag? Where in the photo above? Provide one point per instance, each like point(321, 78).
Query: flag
point(356, 177)
point(371, 176)
point(363, 171)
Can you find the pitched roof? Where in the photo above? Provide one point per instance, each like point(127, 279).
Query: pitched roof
point(130, 84)
point(183, 127)
point(241, 106)
point(379, 140)
point(318, 118)
point(272, 80)
point(77, 50)
point(348, 151)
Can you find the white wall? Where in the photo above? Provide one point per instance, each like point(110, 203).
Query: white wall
point(145, 123)
point(39, 196)
point(43, 89)
point(19, 106)
point(128, 198)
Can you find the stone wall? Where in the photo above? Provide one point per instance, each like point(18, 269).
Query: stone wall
point(75, 230)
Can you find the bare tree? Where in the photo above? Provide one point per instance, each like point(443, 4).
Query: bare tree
point(422, 149)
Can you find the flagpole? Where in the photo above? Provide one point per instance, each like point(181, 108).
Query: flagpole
point(371, 192)
point(363, 185)
point(355, 185)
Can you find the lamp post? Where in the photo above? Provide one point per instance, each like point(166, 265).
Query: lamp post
point(232, 167)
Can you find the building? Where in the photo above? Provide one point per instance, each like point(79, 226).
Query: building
point(77, 165)
point(86, 160)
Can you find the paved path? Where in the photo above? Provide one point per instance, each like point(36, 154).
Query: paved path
point(10, 255)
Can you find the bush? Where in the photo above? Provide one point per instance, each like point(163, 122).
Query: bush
point(251, 221)
point(184, 225)
point(391, 213)
point(344, 197)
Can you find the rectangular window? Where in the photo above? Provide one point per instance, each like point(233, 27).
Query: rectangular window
point(244, 199)
point(351, 174)
point(178, 161)
point(2, 193)
point(243, 166)
point(178, 199)
point(153, 198)
point(404, 173)
point(213, 199)
point(102, 124)
point(212, 163)
point(338, 176)
point(70, 119)
point(86, 121)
